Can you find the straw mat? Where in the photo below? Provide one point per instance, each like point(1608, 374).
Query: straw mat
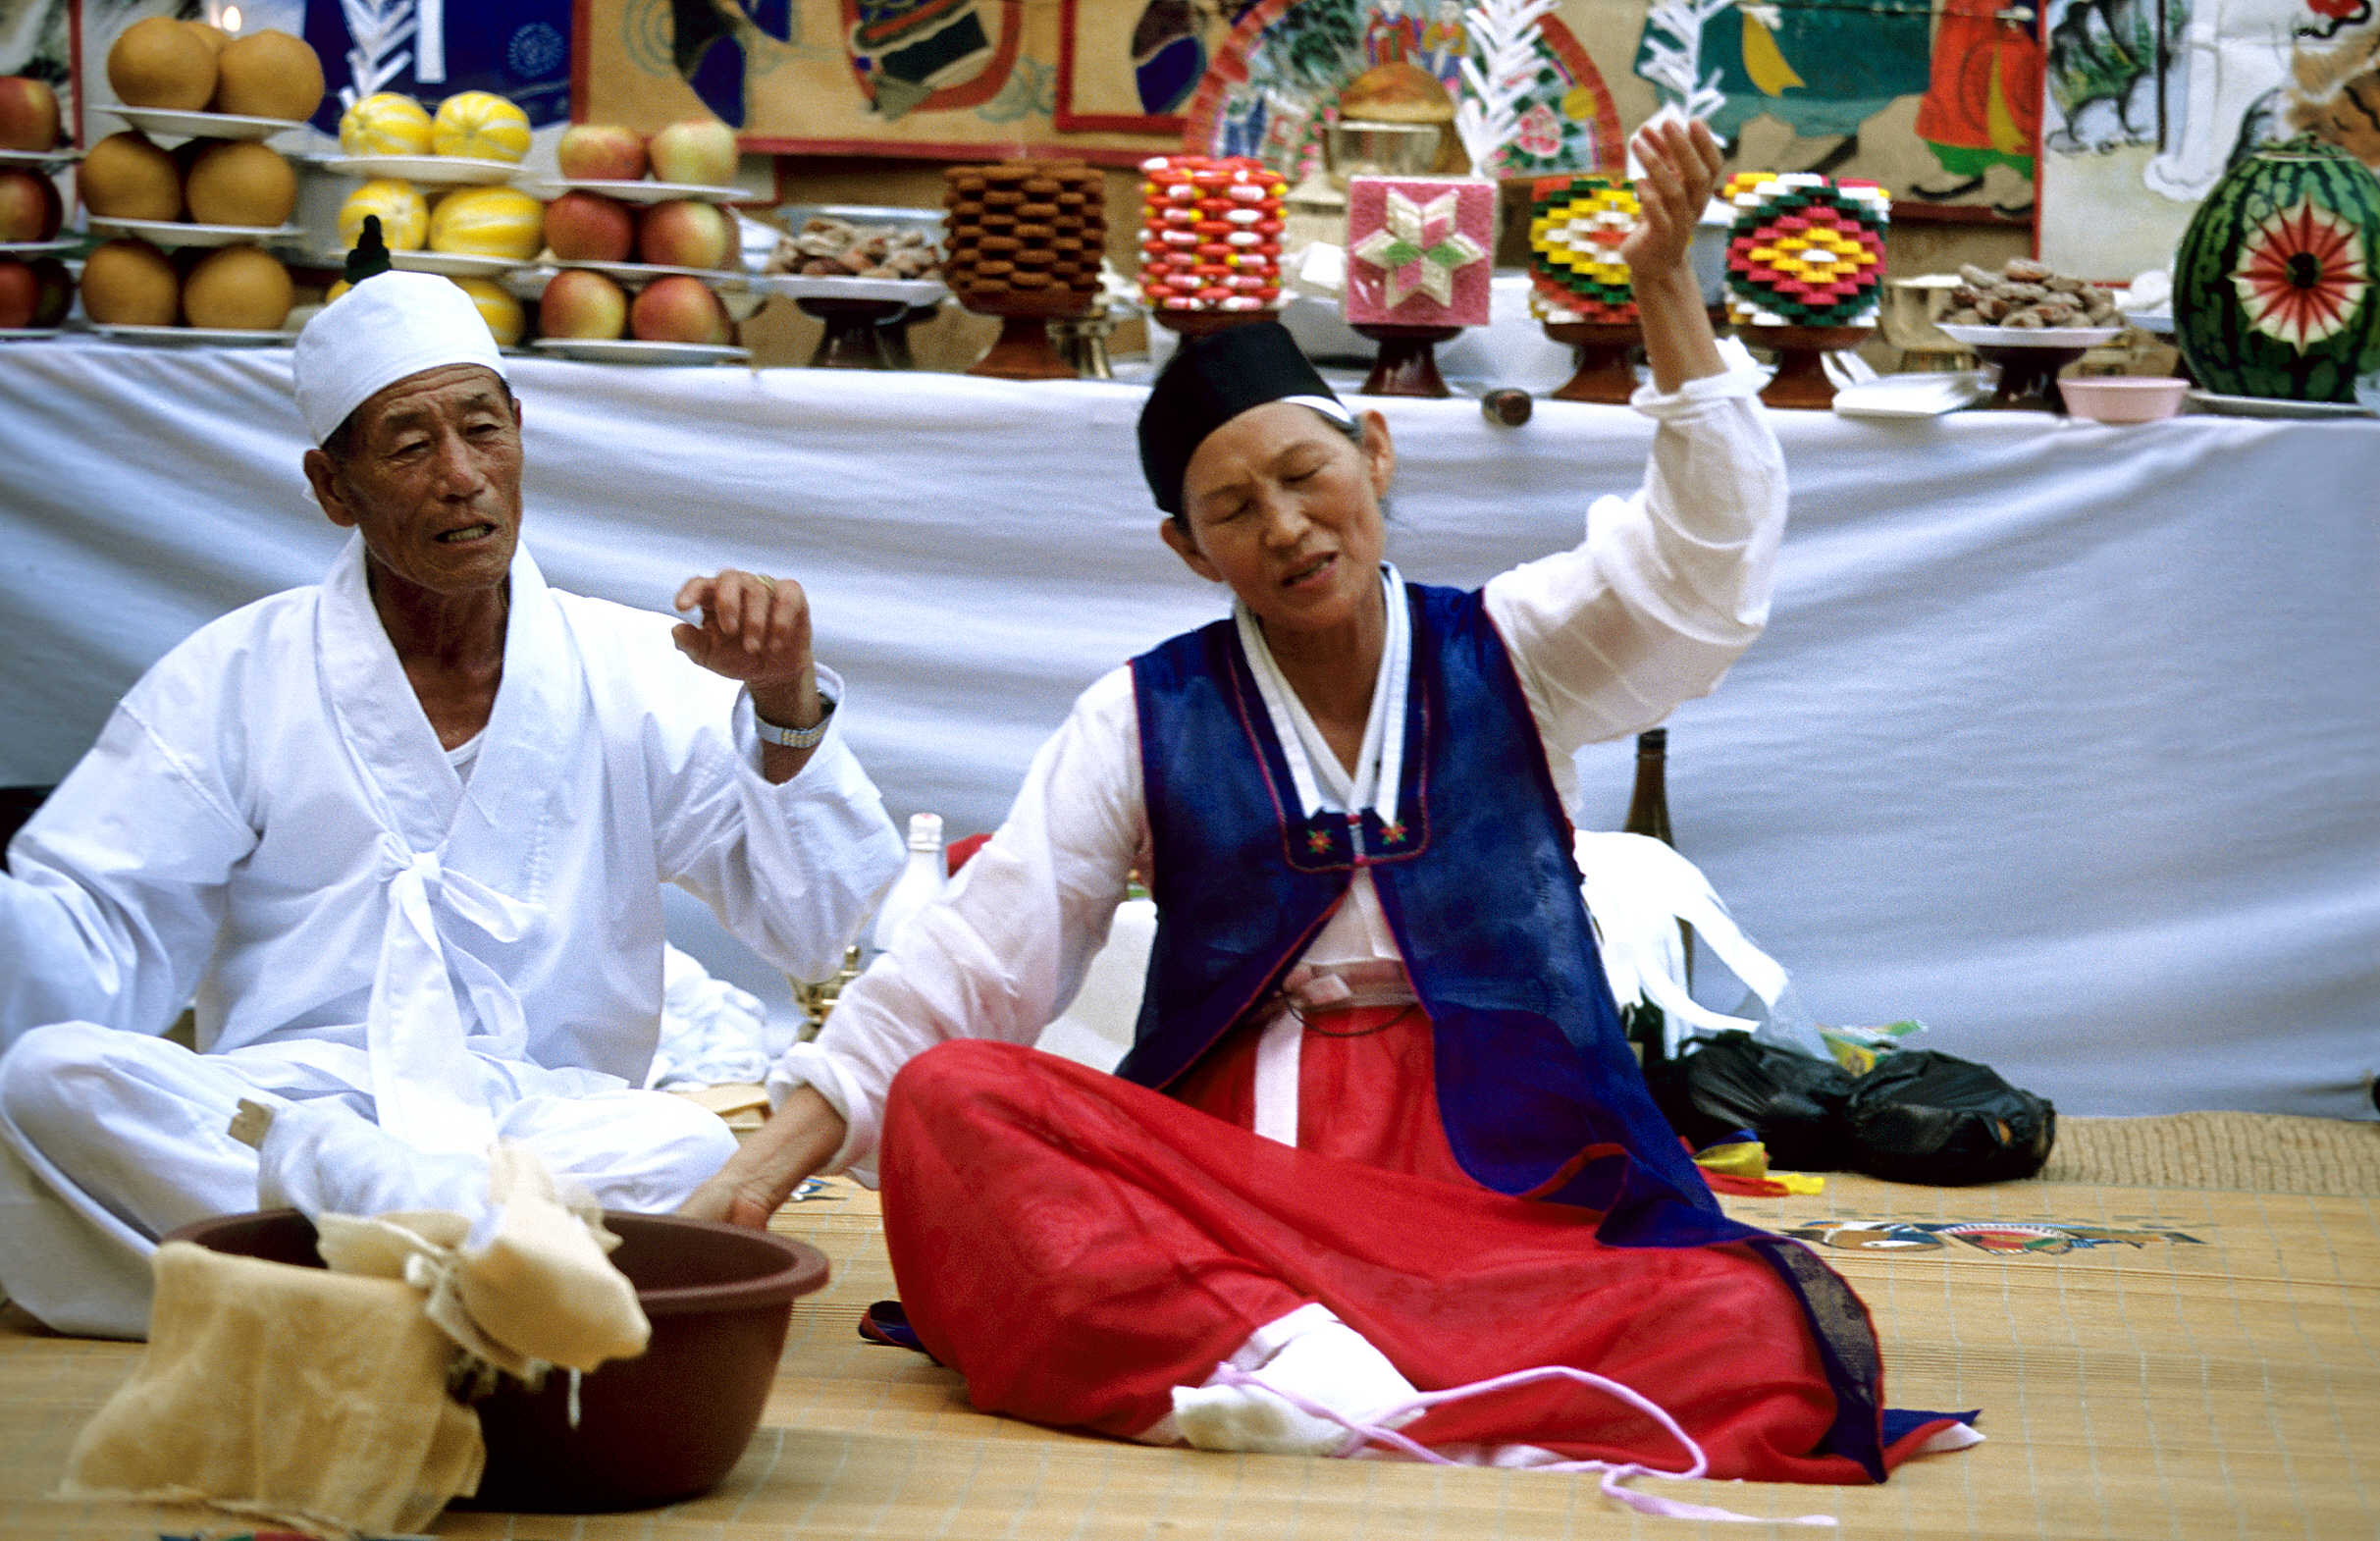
point(2185, 1344)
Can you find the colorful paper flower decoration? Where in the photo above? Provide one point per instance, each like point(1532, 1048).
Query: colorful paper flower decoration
point(2301, 273)
point(1576, 226)
point(1420, 249)
point(1805, 251)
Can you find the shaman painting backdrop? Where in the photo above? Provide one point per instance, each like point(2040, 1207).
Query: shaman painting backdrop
point(2149, 100)
point(1938, 100)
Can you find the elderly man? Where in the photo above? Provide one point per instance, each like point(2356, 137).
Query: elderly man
point(402, 834)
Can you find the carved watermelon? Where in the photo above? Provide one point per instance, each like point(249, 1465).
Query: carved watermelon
point(2274, 291)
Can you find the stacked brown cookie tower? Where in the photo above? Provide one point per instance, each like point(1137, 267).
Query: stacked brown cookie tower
point(1025, 228)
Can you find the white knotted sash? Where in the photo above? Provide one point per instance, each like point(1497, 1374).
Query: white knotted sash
point(427, 1087)
point(1309, 988)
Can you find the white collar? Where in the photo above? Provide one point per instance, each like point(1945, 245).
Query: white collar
point(1322, 784)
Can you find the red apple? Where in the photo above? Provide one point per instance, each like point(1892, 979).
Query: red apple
point(601, 152)
point(683, 234)
point(679, 309)
point(28, 114)
point(583, 303)
point(19, 294)
point(697, 151)
point(587, 226)
point(34, 295)
point(29, 206)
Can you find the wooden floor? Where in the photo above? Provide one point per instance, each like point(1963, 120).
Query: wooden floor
point(2174, 1335)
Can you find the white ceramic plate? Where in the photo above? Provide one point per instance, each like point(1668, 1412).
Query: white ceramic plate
point(636, 274)
point(2273, 406)
point(35, 248)
point(445, 170)
point(1911, 396)
point(650, 192)
point(454, 264)
point(60, 156)
point(201, 124)
point(909, 292)
point(629, 350)
point(171, 232)
point(868, 216)
point(27, 334)
point(2156, 321)
point(196, 337)
point(2029, 337)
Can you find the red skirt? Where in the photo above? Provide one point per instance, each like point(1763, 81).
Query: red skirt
point(1077, 1246)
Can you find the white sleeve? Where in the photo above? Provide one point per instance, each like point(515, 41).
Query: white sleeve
point(115, 893)
point(793, 870)
point(1005, 949)
point(1670, 584)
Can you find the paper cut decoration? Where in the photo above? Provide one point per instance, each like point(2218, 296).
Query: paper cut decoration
point(1576, 226)
point(1805, 251)
point(1418, 250)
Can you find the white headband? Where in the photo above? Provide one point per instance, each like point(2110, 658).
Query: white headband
point(387, 326)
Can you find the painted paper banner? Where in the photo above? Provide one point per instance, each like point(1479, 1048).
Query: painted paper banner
point(952, 80)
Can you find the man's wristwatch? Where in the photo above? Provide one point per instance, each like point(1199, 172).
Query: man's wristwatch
point(796, 737)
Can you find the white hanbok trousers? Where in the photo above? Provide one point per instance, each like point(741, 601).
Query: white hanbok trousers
point(108, 1140)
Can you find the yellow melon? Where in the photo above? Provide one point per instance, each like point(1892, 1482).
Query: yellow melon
point(239, 289)
point(385, 123)
point(505, 318)
point(489, 222)
point(405, 215)
point(269, 73)
point(160, 63)
point(131, 284)
point(481, 124)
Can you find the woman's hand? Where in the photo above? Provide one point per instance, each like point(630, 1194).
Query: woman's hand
point(1681, 164)
point(770, 1163)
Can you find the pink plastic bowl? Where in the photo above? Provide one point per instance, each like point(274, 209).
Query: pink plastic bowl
point(650, 1430)
point(2122, 398)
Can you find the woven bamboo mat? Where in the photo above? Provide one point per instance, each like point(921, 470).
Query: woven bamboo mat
point(2193, 1357)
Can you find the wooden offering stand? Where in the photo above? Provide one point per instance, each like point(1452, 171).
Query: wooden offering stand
point(856, 335)
point(1801, 379)
point(892, 334)
point(2029, 376)
point(1605, 375)
point(1408, 361)
point(1207, 323)
point(1023, 350)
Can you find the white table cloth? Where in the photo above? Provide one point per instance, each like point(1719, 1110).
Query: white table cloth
point(2064, 739)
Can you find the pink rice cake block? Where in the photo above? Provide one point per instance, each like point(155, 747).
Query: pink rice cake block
point(1420, 250)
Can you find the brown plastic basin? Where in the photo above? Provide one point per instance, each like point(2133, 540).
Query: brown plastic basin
point(650, 1430)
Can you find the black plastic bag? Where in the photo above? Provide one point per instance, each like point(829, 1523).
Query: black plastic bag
point(1923, 1116)
point(1794, 1102)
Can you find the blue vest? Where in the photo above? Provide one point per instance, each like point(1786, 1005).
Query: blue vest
point(1538, 1092)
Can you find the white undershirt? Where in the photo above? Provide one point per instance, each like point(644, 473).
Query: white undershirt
point(464, 756)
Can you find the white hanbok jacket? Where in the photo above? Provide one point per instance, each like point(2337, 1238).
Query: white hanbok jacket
point(268, 823)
